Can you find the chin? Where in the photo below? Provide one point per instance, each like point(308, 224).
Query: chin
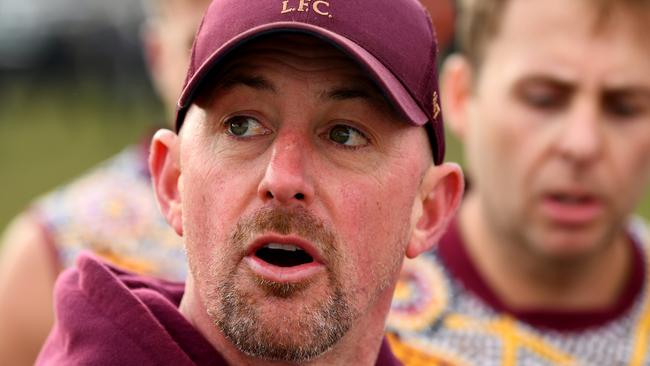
point(570, 244)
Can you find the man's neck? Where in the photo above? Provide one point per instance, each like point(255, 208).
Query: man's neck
point(524, 281)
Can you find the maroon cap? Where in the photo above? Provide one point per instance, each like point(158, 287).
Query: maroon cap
point(393, 40)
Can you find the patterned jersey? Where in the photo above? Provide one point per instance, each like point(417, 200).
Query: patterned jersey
point(435, 317)
point(112, 212)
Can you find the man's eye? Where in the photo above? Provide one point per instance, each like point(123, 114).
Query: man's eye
point(545, 97)
point(624, 107)
point(347, 136)
point(544, 100)
point(244, 126)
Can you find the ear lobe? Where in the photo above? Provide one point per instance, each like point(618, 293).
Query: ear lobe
point(165, 174)
point(441, 193)
point(456, 84)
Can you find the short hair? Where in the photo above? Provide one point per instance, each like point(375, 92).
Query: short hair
point(480, 21)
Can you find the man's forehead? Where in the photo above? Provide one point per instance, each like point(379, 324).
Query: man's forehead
point(560, 51)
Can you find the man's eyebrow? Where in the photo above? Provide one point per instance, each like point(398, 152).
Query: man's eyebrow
point(633, 91)
point(368, 93)
point(353, 92)
point(255, 82)
point(348, 93)
point(551, 81)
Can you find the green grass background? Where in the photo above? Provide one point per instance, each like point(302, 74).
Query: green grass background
point(51, 133)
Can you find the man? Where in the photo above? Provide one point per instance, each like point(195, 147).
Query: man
point(543, 265)
point(110, 210)
point(300, 177)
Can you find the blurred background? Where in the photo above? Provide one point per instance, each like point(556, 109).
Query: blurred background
point(74, 91)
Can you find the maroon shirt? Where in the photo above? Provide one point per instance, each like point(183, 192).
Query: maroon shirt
point(106, 316)
point(456, 259)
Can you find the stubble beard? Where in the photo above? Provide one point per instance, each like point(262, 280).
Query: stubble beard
point(302, 335)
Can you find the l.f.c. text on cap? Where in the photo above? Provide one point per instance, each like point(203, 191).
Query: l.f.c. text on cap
point(320, 7)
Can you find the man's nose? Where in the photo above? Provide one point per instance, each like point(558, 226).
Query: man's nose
point(287, 178)
point(581, 138)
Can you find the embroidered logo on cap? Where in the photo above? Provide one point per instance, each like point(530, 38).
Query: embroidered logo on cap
point(436, 105)
point(320, 7)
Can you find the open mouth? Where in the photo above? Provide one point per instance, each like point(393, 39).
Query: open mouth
point(572, 209)
point(572, 199)
point(283, 255)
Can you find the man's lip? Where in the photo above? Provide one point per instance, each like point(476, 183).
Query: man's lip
point(572, 207)
point(293, 274)
point(275, 273)
point(303, 244)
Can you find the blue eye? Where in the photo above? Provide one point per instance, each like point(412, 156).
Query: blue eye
point(244, 126)
point(347, 136)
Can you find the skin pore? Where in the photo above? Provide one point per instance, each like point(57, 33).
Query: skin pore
point(558, 147)
point(295, 146)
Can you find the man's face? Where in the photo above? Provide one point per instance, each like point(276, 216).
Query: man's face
point(558, 136)
point(298, 187)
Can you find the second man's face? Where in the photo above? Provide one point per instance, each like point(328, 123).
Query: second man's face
point(558, 138)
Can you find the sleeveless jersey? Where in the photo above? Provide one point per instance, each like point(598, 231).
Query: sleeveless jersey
point(435, 316)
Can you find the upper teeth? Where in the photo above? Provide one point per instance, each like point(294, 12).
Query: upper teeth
point(288, 247)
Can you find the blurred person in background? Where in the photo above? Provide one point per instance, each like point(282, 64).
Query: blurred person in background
point(546, 263)
point(443, 15)
point(110, 210)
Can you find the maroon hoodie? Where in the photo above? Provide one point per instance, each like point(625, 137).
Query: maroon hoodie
point(107, 316)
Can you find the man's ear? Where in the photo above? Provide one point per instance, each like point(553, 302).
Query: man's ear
point(165, 173)
point(440, 195)
point(456, 90)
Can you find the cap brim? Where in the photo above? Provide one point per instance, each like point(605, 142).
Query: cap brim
point(385, 79)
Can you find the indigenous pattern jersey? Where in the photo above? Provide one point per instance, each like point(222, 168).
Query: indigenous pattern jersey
point(440, 313)
point(112, 212)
